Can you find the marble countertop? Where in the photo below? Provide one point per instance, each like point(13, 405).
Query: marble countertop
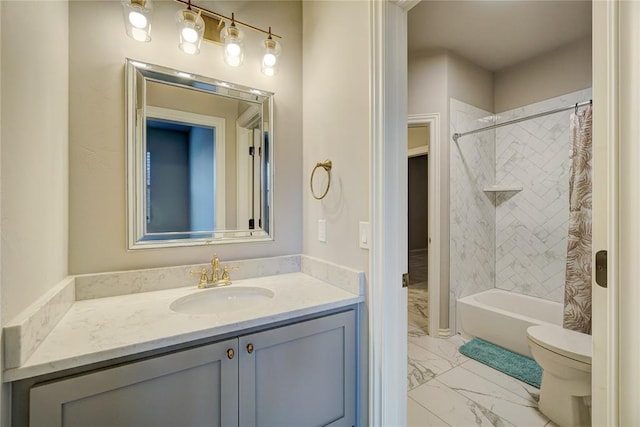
point(100, 329)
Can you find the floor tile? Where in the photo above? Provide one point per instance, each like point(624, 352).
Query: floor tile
point(424, 365)
point(454, 408)
point(502, 402)
point(503, 380)
point(418, 266)
point(446, 348)
point(418, 305)
point(419, 416)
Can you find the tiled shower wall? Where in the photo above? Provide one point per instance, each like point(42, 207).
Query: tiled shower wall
point(531, 225)
point(472, 267)
point(513, 241)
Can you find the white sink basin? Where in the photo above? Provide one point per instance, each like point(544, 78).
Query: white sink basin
point(222, 300)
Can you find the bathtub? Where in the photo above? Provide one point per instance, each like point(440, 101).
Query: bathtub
point(502, 317)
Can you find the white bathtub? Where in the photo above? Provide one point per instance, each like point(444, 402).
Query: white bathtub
point(502, 317)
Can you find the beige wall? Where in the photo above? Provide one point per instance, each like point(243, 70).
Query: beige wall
point(418, 137)
point(98, 48)
point(34, 151)
point(470, 83)
point(561, 71)
point(427, 74)
point(336, 126)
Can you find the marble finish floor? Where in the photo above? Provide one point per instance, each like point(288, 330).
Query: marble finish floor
point(447, 388)
point(418, 300)
point(418, 272)
point(418, 297)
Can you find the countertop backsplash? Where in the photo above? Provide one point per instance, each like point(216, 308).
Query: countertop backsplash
point(90, 286)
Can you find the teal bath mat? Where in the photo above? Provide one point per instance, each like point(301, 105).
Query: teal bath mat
point(512, 364)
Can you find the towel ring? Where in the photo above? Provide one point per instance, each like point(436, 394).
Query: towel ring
point(326, 165)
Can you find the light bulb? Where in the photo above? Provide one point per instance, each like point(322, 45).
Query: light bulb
point(268, 71)
point(234, 61)
point(233, 49)
point(269, 59)
point(138, 34)
point(137, 19)
point(189, 35)
point(233, 53)
point(191, 27)
point(189, 48)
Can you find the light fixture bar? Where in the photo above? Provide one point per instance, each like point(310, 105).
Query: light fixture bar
point(218, 15)
point(212, 27)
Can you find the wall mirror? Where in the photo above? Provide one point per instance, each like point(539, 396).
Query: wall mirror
point(199, 159)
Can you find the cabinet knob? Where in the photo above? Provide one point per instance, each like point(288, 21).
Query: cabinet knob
point(249, 348)
point(230, 353)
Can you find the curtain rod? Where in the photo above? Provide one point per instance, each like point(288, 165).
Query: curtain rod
point(577, 105)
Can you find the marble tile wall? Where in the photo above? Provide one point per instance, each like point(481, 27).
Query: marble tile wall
point(531, 225)
point(472, 211)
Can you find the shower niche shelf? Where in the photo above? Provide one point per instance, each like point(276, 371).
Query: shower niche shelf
point(502, 188)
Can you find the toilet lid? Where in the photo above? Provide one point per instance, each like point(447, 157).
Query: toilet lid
point(571, 344)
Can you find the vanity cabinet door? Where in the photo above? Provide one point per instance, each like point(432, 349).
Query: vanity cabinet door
point(195, 387)
point(300, 375)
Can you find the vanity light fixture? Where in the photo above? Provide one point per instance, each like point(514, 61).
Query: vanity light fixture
point(137, 19)
point(196, 23)
point(271, 56)
point(191, 26)
point(233, 44)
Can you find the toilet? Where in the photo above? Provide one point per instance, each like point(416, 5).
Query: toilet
point(565, 358)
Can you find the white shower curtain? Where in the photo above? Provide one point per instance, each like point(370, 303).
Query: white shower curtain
point(577, 292)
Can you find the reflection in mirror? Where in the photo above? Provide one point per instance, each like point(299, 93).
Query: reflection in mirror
point(198, 159)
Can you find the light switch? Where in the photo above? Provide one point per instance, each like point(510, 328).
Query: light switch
point(322, 230)
point(363, 235)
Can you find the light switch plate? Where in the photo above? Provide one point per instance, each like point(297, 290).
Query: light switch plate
point(363, 235)
point(322, 230)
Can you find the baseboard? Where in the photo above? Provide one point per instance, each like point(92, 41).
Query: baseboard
point(444, 333)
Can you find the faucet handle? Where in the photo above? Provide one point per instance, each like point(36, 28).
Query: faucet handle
point(202, 283)
point(226, 277)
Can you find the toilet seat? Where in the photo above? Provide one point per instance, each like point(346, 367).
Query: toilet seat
point(568, 343)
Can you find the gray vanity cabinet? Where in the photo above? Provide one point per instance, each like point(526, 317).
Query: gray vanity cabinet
point(302, 374)
point(194, 387)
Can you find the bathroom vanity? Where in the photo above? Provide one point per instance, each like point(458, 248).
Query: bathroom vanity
point(299, 374)
point(135, 359)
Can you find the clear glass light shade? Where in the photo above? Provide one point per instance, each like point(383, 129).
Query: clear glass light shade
point(191, 26)
point(233, 46)
point(137, 19)
point(270, 57)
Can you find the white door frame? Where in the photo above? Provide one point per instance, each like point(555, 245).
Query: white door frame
point(387, 302)
point(388, 210)
point(622, 76)
point(433, 214)
point(615, 105)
